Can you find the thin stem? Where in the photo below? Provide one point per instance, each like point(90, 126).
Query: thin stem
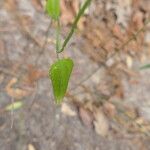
point(58, 37)
point(57, 55)
point(81, 11)
point(42, 49)
point(134, 36)
point(12, 113)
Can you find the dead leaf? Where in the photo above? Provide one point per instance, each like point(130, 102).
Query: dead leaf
point(26, 21)
point(138, 20)
point(101, 123)
point(117, 32)
point(81, 23)
point(65, 108)
point(89, 106)
point(129, 61)
point(68, 11)
point(31, 147)
point(33, 75)
point(109, 109)
point(37, 4)
point(86, 117)
point(15, 92)
point(139, 121)
point(10, 5)
point(14, 106)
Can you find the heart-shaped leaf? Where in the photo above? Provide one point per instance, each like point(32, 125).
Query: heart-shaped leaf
point(59, 74)
point(53, 8)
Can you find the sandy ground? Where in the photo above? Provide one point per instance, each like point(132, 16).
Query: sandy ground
point(40, 124)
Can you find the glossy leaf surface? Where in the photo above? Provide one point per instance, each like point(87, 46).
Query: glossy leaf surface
point(53, 8)
point(59, 74)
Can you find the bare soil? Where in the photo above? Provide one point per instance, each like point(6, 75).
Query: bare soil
point(106, 78)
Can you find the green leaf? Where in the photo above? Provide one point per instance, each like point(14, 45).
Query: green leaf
point(53, 8)
point(147, 66)
point(59, 74)
point(14, 106)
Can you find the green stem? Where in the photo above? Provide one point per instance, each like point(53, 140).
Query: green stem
point(58, 36)
point(81, 11)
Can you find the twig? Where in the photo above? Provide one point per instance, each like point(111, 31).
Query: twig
point(134, 36)
point(85, 79)
point(42, 49)
point(37, 59)
point(12, 113)
point(33, 96)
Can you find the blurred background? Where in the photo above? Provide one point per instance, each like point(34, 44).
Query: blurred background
point(107, 105)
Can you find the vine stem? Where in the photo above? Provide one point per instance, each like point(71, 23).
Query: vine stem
point(134, 36)
point(81, 11)
point(58, 41)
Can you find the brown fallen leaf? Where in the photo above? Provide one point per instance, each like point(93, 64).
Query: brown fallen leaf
point(26, 21)
point(101, 124)
point(117, 32)
point(109, 109)
point(89, 105)
point(37, 4)
point(86, 117)
point(15, 92)
point(138, 20)
point(81, 23)
point(10, 5)
point(68, 10)
point(33, 75)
